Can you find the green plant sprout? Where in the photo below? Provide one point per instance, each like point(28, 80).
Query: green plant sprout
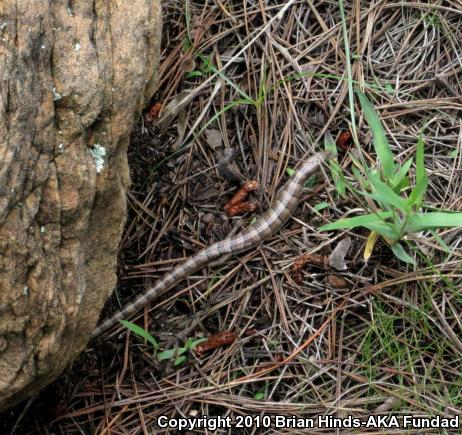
point(204, 68)
point(394, 213)
point(178, 355)
point(259, 395)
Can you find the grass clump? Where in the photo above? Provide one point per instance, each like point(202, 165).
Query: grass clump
point(397, 209)
point(176, 355)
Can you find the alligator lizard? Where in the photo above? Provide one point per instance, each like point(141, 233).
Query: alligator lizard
point(282, 208)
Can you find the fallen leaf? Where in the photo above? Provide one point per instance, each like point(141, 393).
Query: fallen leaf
point(213, 138)
point(371, 240)
point(337, 257)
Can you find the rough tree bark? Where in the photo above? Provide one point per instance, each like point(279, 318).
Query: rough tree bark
point(73, 75)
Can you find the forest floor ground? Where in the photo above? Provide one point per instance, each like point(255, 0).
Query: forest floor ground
point(247, 89)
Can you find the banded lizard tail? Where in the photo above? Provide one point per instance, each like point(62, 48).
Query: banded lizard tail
point(284, 204)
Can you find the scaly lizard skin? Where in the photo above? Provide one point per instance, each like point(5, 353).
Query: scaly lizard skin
point(282, 208)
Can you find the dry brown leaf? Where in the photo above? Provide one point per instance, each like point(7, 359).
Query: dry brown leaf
point(337, 257)
point(214, 138)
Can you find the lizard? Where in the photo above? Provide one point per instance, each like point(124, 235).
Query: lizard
point(272, 220)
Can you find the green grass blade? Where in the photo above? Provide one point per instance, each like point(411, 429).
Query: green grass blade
point(241, 92)
point(329, 146)
point(180, 360)
point(171, 353)
point(335, 169)
point(357, 221)
point(338, 178)
point(359, 177)
point(441, 242)
point(419, 159)
point(387, 195)
point(191, 344)
point(383, 204)
point(400, 175)
point(259, 395)
point(349, 72)
point(381, 145)
point(362, 167)
point(166, 354)
point(403, 184)
point(141, 332)
point(400, 253)
point(425, 221)
point(417, 194)
point(384, 229)
point(320, 206)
